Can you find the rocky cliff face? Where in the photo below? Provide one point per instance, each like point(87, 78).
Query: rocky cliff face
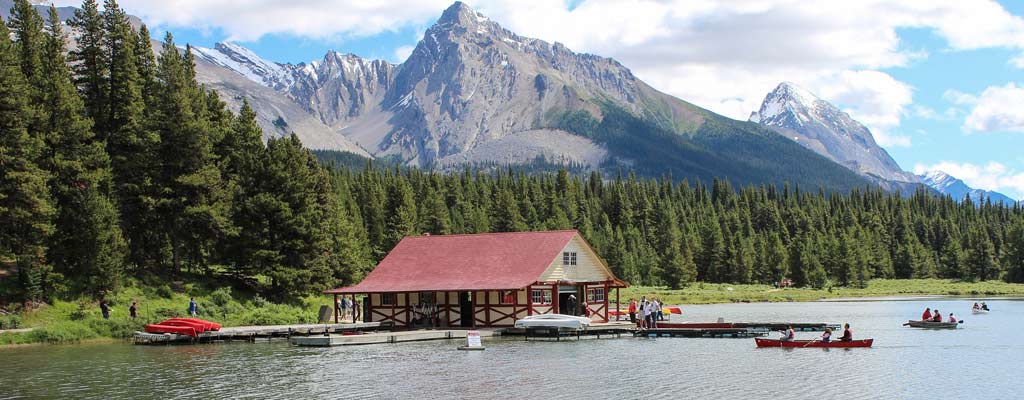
point(820, 126)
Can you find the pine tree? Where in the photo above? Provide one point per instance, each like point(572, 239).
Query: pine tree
point(981, 255)
point(1013, 258)
point(712, 257)
point(193, 203)
point(26, 208)
point(506, 213)
point(400, 209)
point(90, 64)
point(88, 239)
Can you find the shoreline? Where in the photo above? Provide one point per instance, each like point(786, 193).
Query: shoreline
point(56, 318)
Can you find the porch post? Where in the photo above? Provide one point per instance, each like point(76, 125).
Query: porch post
point(618, 306)
point(554, 298)
point(529, 300)
point(337, 309)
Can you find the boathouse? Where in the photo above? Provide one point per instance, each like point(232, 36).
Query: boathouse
point(486, 280)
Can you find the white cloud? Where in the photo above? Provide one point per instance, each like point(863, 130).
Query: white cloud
point(996, 109)
point(722, 55)
point(1017, 61)
point(403, 53)
point(993, 176)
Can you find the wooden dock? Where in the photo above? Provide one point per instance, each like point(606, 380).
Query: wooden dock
point(384, 337)
point(252, 333)
point(701, 332)
point(765, 326)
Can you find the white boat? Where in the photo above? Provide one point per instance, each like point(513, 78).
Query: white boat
point(978, 311)
point(553, 321)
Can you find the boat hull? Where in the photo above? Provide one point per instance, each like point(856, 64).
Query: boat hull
point(932, 325)
point(178, 330)
point(979, 311)
point(809, 343)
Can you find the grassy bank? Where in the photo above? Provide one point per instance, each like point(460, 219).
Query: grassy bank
point(705, 293)
point(78, 320)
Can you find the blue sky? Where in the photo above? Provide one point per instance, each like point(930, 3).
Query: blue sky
point(936, 80)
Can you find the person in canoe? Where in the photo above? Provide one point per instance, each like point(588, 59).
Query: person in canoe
point(976, 307)
point(827, 336)
point(952, 319)
point(789, 335)
point(927, 316)
point(847, 334)
point(937, 316)
point(984, 306)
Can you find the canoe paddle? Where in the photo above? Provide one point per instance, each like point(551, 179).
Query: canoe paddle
point(809, 343)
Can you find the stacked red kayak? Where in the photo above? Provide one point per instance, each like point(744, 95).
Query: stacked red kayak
point(183, 326)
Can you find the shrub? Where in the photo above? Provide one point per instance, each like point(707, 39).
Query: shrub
point(164, 291)
point(62, 331)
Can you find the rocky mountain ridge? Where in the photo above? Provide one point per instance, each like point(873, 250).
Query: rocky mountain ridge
point(820, 126)
point(958, 190)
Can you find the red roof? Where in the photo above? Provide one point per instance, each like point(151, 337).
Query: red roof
point(487, 261)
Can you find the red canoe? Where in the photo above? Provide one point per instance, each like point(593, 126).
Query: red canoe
point(200, 328)
point(809, 343)
point(180, 330)
point(200, 324)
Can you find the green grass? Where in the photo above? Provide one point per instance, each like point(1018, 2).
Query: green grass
point(80, 319)
point(707, 293)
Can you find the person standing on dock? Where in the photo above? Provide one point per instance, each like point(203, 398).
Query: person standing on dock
point(105, 309)
point(571, 305)
point(193, 307)
point(133, 310)
point(632, 311)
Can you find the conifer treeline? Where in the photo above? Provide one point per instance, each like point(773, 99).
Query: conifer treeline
point(656, 232)
point(124, 165)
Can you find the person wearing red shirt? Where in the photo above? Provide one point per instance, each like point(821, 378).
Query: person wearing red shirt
point(632, 311)
point(927, 316)
point(937, 316)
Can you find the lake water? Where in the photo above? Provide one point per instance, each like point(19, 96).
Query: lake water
point(982, 360)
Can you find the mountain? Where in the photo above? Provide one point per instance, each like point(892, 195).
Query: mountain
point(958, 190)
point(277, 114)
point(820, 126)
point(473, 92)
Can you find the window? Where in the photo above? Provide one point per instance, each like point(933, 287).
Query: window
point(569, 258)
point(595, 295)
point(540, 296)
point(508, 297)
point(387, 299)
point(427, 298)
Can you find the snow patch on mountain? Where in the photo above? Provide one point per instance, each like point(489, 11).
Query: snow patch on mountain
point(246, 63)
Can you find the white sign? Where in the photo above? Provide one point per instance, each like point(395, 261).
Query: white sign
point(473, 338)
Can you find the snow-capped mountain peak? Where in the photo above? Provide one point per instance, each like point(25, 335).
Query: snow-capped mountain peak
point(798, 114)
point(245, 62)
point(787, 97)
point(958, 190)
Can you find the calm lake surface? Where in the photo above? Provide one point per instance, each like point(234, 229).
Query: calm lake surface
point(982, 360)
